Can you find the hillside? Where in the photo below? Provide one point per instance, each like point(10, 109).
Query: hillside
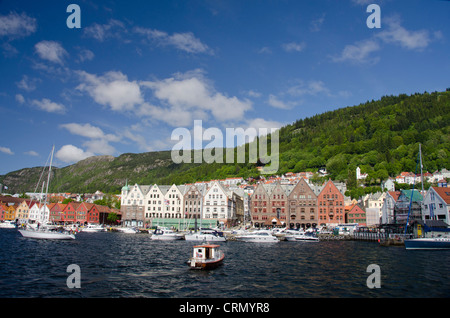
point(381, 137)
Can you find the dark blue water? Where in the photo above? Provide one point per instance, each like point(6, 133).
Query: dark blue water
point(131, 265)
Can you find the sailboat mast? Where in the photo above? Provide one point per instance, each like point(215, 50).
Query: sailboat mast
point(49, 172)
point(421, 171)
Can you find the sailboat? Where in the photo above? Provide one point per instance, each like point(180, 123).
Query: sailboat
point(45, 231)
point(428, 243)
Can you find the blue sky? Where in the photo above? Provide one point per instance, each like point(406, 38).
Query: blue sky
point(137, 70)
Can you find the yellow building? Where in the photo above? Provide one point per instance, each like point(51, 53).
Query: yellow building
point(9, 213)
point(22, 211)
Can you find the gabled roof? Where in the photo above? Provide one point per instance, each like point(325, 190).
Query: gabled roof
point(444, 193)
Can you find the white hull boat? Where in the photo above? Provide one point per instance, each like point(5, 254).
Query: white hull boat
point(306, 238)
point(46, 235)
point(258, 237)
point(128, 230)
point(163, 234)
point(7, 225)
point(207, 236)
point(93, 228)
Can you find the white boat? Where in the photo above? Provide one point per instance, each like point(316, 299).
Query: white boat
point(93, 228)
point(291, 235)
point(128, 230)
point(47, 234)
point(7, 225)
point(165, 234)
point(46, 231)
point(306, 238)
point(257, 236)
point(205, 235)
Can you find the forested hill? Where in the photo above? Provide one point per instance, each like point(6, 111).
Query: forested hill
point(381, 137)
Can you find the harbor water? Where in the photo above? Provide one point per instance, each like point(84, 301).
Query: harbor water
point(131, 265)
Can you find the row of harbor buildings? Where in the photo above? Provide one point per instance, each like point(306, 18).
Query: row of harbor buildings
point(24, 211)
point(290, 200)
point(272, 203)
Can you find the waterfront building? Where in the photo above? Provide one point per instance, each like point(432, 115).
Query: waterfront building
point(22, 211)
point(220, 205)
point(8, 212)
point(70, 212)
point(302, 206)
point(373, 204)
point(56, 212)
point(193, 198)
point(396, 207)
point(331, 205)
point(2, 212)
point(269, 204)
point(259, 205)
point(132, 206)
point(355, 214)
point(436, 204)
point(173, 202)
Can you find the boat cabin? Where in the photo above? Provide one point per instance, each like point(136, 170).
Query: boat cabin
point(206, 256)
point(205, 251)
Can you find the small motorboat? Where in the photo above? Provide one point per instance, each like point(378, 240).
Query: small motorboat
point(306, 238)
point(260, 236)
point(8, 225)
point(128, 230)
point(93, 228)
point(206, 235)
point(206, 256)
point(165, 234)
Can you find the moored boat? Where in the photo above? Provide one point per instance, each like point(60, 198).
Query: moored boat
point(47, 234)
point(93, 228)
point(128, 230)
point(8, 225)
point(432, 243)
point(206, 236)
point(257, 236)
point(206, 256)
point(306, 238)
point(165, 234)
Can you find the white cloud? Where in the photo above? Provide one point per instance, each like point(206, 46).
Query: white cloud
point(112, 89)
point(71, 154)
point(293, 47)
point(395, 33)
point(277, 103)
point(191, 92)
point(316, 24)
point(89, 131)
point(51, 51)
point(27, 84)
point(313, 87)
point(183, 41)
point(49, 106)
point(358, 52)
point(98, 142)
point(85, 55)
point(20, 99)
point(265, 50)
point(31, 153)
point(14, 25)
point(101, 32)
point(6, 150)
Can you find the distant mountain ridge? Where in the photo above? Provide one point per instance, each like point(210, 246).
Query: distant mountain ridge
point(381, 137)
